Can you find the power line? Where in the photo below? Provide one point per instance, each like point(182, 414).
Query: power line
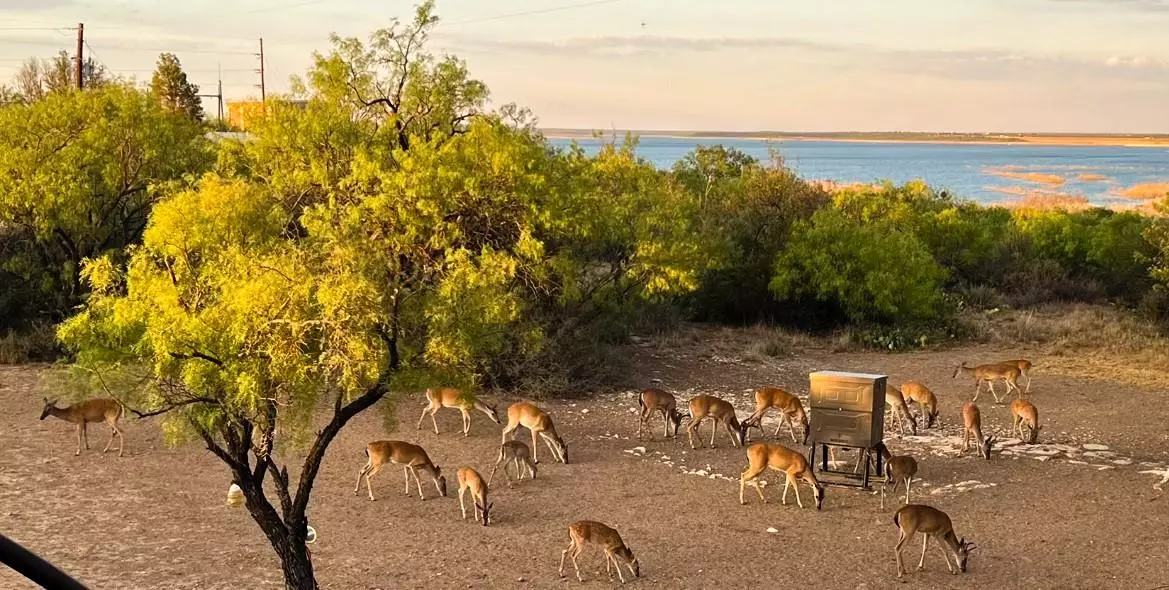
point(36, 29)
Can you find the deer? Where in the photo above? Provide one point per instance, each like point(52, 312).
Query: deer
point(1024, 366)
point(590, 532)
point(972, 426)
point(1023, 413)
point(513, 451)
point(990, 373)
point(538, 422)
point(653, 401)
point(927, 402)
point(410, 456)
point(470, 480)
point(762, 456)
point(900, 410)
point(721, 411)
point(790, 411)
point(101, 409)
point(898, 469)
point(448, 397)
point(930, 522)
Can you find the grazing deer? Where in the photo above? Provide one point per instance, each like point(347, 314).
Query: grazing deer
point(589, 532)
point(513, 451)
point(535, 420)
point(1023, 413)
point(101, 409)
point(449, 397)
point(720, 411)
point(1009, 373)
point(470, 480)
point(762, 456)
point(972, 426)
point(410, 457)
point(896, 401)
point(898, 469)
point(1024, 366)
point(927, 402)
point(931, 522)
point(654, 401)
point(790, 411)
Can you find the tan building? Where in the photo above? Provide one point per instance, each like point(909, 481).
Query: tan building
point(241, 112)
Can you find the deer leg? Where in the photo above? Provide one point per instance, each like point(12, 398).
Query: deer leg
point(462, 506)
point(85, 434)
point(690, 431)
point(406, 472)
point(466, 422)
point(510, 428)
point(368, 476)
point(897, 551)
point(78, 453)
point(747, 475)
point(575, 554)
point(977, 390)
point(796, 486)
point(360, 475)
point(617, 566)
point(965, 440)
point(908, 481)
point(787, 481)
point(945, 556)
point(113, 433)
point(925, 540)
point(433, 420)
point(534, 446)
point(990, 384)
point(423, 416)
point(563, 554)
point(713, 430)
point(418, 483)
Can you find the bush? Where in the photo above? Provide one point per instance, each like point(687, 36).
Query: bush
point(873, 272)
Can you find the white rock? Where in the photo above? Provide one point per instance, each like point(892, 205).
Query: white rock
point(1095, 447)
point(584, 411)
point(772, 530)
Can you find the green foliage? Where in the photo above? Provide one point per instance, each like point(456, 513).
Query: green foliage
point(79, 173)
point(170, 86)
point(872, 271)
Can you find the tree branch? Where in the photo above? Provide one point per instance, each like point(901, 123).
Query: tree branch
point(198, 355)
point(176, 405)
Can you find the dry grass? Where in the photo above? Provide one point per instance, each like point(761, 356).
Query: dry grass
point(1083, 341)
point(1146, 191)
point(1036, 201)
point(1092, 178)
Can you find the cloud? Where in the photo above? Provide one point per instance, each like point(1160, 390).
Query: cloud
point(33, 5)
point(639, 45)
point(1136, 5)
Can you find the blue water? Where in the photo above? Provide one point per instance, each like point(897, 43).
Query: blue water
point(972, 171)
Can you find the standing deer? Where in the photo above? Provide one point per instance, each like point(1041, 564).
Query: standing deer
point(411, 457)
point(1024, 366)
point(535, 420)
point(101, 409)
point(653, 401)
point(513, 452)
point(972, 426)
point(448, 397)
point(720, 411)
point(927, 402)
point(470, 480)
point(1009, 373)
point(898, 469)
point(896, 401)
point(589, 532)
point(1024, 413)
point(762, 456)
point(790, 411)
point(931, 522)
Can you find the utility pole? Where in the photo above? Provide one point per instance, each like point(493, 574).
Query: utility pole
point(80, 56)
point(261, 71)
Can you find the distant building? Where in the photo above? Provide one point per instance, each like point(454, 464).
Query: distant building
point(241, 112)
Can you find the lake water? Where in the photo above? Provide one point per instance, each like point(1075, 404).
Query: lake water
point(986, 173)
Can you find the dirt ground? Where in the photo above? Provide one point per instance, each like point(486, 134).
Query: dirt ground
point(1055, 515)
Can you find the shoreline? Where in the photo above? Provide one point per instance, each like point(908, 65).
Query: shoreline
point(1070, 140)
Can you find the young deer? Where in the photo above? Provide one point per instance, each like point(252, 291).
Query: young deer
point(470, 480)
point(972, 426)
point(790, 411)
point(721, 411)
point(1009, 373)
point(1023, 413)
point(900, 410)
point(535, 420)
point(100, 409)
point(931, 522)
point(449, 397)
point(654, 401)
point(898, 469)
point(762, 456)
point(589, 532)
point(1024, 366)
point(410, 457)
point(513, 451)
point(927, 402)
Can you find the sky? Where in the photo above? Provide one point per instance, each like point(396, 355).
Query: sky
point(1099, 66)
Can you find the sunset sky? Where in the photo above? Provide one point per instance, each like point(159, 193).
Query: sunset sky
point(921, 65)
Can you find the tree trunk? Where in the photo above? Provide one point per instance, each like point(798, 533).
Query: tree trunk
point(297, 566)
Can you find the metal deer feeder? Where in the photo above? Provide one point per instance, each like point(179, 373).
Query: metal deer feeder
point(847, 410)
